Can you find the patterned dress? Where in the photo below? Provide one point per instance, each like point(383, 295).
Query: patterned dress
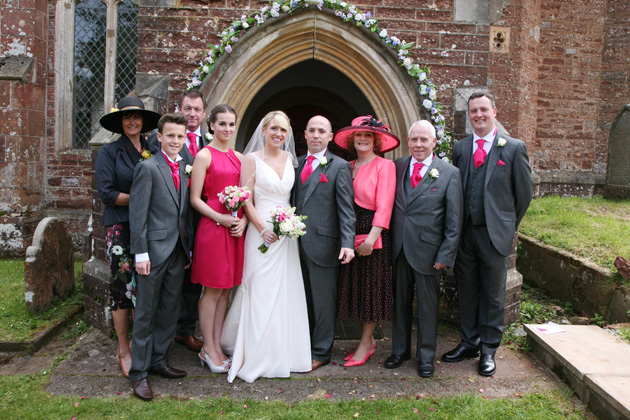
point(364, 290)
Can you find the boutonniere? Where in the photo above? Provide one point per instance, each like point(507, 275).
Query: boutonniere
point(209, 136)
point(323, 162)
point(145, 154)
point(434, 173)
point(501, 142)
point(188, 170)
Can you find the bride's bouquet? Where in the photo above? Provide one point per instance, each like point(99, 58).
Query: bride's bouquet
point(234, 197)
point(285, 222)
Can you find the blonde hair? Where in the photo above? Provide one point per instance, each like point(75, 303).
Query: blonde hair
point(281, 119)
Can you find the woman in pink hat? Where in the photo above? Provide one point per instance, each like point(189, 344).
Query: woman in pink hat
point(365, 285)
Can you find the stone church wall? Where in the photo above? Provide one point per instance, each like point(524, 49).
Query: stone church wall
point(559, 80)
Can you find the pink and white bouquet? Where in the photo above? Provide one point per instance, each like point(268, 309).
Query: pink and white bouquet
point(234, 197)
point(285, 222)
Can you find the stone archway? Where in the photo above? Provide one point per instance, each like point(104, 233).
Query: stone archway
point(311, 34)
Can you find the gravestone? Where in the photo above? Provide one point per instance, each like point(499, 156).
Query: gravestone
point(618, 172)
point(49, 266)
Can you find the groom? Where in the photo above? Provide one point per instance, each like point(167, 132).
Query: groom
point(323, 192)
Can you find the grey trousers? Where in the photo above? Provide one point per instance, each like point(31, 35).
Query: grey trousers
point(428, 292)
point(480, 272)
point(157, 301)
point(320, 286)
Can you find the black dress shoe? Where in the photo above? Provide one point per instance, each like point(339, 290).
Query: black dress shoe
point(460, 353)
point(142, 389)
point(425, 369)
point(169, 372)
point(487, 367)
point(395, 361)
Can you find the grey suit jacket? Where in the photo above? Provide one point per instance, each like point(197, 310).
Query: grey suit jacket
point(184, 153)
point(329, 206)
point(427, 225)
point(508, 188)
point(158, 214)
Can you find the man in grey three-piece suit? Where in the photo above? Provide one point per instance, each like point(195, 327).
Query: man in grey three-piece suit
point(193, 106)
point(160, 239)
point(323, 191)
point(497, 182)
point(426, 225)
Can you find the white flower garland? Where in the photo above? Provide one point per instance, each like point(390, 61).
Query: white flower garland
point(348, 13)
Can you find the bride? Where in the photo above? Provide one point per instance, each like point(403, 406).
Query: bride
point(266, 329)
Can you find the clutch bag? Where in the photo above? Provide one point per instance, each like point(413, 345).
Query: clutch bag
point(359, 239)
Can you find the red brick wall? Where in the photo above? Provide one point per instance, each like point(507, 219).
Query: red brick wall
point(173, 41)
point(615, 77)
point(559, 88)
point(568, 135)
point(513, 76)
point(23, 33)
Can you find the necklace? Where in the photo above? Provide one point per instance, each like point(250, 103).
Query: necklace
point(271, 159)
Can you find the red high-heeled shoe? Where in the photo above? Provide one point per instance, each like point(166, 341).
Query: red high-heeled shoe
point(351, 362)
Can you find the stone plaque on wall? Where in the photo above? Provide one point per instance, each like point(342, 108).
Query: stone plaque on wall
point(618, 173)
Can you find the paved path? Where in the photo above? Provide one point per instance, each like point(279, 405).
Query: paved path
point(91, 370)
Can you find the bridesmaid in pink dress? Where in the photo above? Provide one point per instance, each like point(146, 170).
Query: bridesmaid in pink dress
point(218, 252)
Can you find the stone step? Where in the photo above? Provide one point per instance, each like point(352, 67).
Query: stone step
point(594, 363)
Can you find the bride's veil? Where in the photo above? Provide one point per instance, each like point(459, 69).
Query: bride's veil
point(257, 142)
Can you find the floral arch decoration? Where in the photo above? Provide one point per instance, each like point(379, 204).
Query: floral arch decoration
point(348, 13)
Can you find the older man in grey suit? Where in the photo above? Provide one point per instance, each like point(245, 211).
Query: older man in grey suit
point(426, 225)
point(497, 182)
point(160, 239)
point(323, 192)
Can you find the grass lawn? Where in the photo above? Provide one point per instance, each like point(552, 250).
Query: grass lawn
point(18, 325)
point(592, 228)
point(24, 397)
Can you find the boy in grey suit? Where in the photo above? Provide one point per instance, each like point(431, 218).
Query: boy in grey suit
point(160, 230)
point(426, 225)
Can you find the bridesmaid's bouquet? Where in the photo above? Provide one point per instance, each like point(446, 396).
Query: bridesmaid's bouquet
point(285, 222)
point(234, 198)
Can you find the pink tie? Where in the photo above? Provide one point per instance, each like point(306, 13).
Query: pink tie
point(308, 168)
point(480, 154)
point(174, 172)
point(193, 148)
point(416, 177)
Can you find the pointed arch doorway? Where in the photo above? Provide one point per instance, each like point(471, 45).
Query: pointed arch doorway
point(306, 89)
point(311, 62)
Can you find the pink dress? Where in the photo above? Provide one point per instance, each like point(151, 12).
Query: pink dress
point(217, 256)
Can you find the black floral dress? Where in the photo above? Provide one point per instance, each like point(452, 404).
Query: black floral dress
point(114, 168)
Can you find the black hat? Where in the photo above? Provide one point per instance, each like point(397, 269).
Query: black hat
point(113, 120)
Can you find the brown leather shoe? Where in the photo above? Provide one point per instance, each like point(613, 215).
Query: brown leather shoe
point(192, 342)
point(317, 364)
point(142, 389)
point(169, 372)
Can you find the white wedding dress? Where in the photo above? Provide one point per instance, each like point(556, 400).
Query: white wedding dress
point(266, 329)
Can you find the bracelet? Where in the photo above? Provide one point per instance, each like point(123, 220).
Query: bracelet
point(263, 232)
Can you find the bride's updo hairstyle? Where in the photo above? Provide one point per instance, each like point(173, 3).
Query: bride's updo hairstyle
point(281, 119)
point(212, 118)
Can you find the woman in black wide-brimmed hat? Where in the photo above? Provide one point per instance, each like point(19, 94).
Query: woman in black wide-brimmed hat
point(114, 168)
